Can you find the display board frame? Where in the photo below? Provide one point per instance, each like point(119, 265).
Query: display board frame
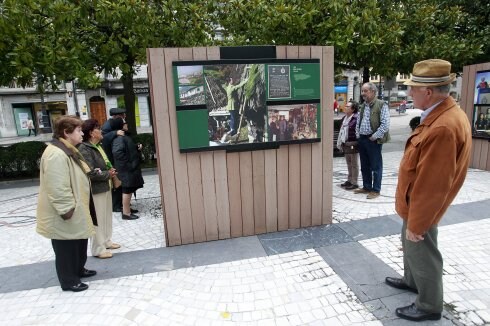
point(246, 104)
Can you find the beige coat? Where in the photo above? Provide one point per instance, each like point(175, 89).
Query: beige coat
point(434, 166)
point(63, 185)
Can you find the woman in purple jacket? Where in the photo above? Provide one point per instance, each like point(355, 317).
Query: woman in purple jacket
point(347, 142)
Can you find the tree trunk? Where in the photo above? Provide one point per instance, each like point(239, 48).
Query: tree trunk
point(365, 75)
point(129, 99)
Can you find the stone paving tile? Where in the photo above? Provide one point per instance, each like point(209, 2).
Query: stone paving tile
point(295, 288)
point(17, 221)
point(348, 206)
point(465, 248)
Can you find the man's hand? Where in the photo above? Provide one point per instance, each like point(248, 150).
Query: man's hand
point(413, 237)
point(68, 215)
point(120, 133)
point(372, 138)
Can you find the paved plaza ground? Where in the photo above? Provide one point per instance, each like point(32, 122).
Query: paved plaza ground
point(326, 275)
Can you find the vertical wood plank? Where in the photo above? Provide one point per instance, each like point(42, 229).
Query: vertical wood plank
point(247, 193)
point(234, 195)
point(209, 196)
point(475, 159)
point(292, 52)
point(294, 187)
point(304, 52)
point(179, 160)
point(317, 160)
point(220, 177)
point(223, 202)
point(258, 172)
point(159, 100)
point(465, 92)
point(466, 103)
point(196, 196)
point(305, 184)
point(209, 213)
point(282, 172)
point(271, 190)
point(327, 131)
point(282, 188)
point(483, 156)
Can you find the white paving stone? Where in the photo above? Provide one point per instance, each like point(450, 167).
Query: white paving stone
point(139, 301)
point(466, 282)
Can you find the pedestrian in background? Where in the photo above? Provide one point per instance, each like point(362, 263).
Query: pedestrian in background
point(109, 136)
point(65, 210)
point(31, 127)
point(127, 159)
point(347, 143)
point(432, 171)
point(372, 132)
point(101, 174)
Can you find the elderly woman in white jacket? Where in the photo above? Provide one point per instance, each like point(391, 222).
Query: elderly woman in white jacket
point(65, 210)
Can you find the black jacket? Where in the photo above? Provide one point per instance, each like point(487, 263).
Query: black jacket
point(109, 136)
point(127, 160)
point(99, 181)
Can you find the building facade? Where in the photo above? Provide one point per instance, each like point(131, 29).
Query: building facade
point(18, 105)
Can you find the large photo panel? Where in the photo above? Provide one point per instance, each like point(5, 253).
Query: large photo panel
point(228, 104)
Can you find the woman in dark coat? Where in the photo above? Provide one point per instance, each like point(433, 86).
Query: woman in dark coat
point(127, 159)
point(101, 173)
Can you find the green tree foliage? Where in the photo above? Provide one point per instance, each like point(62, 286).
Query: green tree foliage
point(37, 45)
point(55, 40)
point(118, 33)
point(382, 36)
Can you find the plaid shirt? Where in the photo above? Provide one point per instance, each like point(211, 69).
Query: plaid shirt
point(365, 127)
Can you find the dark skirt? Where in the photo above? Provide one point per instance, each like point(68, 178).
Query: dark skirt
point(129, 190)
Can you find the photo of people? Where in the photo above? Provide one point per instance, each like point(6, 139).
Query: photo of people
point(292, 122)
point(482, 87)
point(191, 87)
point(235, 98)
point(481, 121)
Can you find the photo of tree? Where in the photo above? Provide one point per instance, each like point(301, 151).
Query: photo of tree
point(235, 98)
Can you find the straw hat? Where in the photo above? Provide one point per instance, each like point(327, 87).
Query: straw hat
point(432, 72)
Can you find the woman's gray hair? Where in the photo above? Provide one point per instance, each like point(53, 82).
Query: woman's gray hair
point(372, 87)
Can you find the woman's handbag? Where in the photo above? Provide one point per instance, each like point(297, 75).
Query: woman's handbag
point(350, 147)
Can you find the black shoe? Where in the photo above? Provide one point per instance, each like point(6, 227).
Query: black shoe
point(413, 313)
point(351, 187)
point(88, 273)
point(134, 211)
point(345, 184)
point(399, 284)
point(130, 217)
point(117, 210)
point(76, 288)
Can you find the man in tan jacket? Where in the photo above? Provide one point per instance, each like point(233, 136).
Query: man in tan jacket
point(432, 171)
